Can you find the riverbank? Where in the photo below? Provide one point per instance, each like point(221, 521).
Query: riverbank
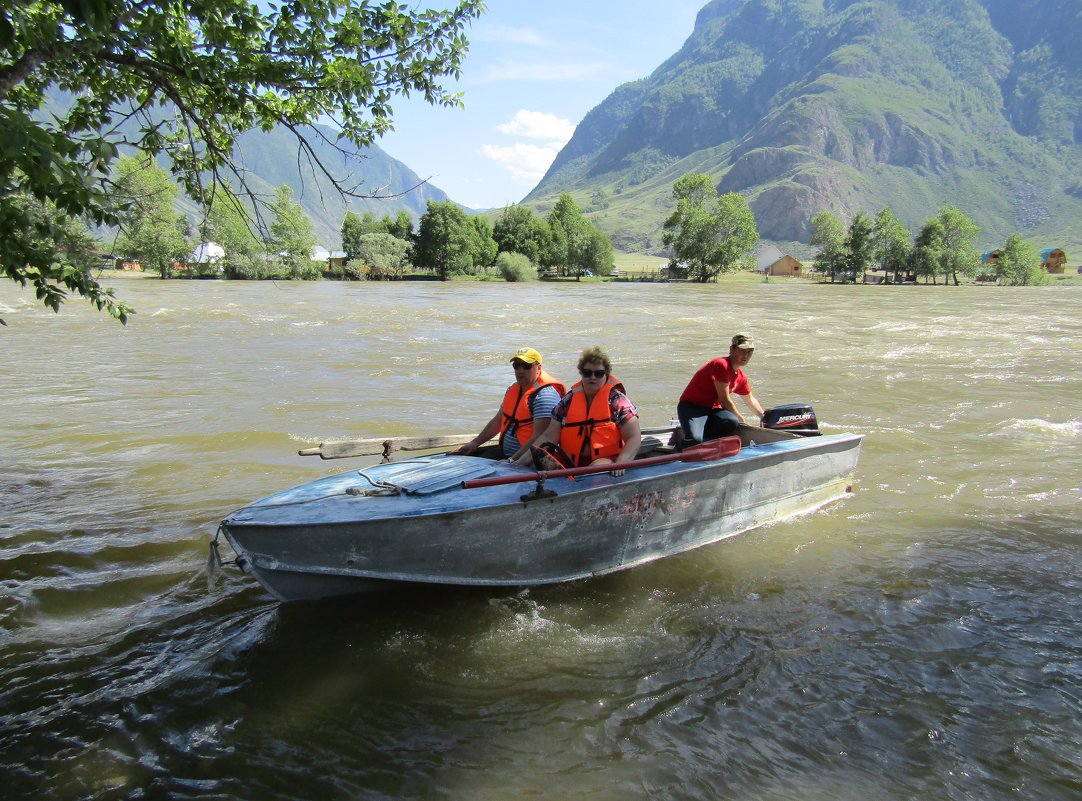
point(630, 274)
point(629, 267)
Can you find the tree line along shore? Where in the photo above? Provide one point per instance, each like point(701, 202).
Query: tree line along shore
point(707, 236)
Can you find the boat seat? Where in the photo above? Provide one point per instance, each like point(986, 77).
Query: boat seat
point(659, 441)
point(650, 444)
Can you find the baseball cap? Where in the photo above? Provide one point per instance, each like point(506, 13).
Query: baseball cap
point(744, 341)
point(528, 355)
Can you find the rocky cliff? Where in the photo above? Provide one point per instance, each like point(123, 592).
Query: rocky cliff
point(802, 105)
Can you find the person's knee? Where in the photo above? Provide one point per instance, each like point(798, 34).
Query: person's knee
point(692, 421)
point(721, 424)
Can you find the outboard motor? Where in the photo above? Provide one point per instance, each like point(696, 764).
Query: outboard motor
point(796, 418)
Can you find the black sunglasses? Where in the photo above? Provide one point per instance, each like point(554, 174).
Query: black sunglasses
point(521, 365)
point(593, 373)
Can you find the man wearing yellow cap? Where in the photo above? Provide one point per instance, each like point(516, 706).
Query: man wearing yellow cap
point(526, 410)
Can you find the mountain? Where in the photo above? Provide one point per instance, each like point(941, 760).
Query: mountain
point(810, 105)
point(274, 158)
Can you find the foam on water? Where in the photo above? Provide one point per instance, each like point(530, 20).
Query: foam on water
point(1071, 429)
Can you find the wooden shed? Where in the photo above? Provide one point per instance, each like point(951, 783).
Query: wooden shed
point(786, 265)
point(1053, 261)
point(773, 262)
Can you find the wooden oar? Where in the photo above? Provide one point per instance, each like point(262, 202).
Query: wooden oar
point(706, 452)
point(384, 447)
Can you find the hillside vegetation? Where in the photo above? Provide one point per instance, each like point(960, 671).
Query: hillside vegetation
point(803, 106)
point(272, 160)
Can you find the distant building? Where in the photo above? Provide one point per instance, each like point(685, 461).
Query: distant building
point(1053, 261)
point(336, 260)
point(773, 262)
point(332, 259)
point(989, 260)
point(786, 265)
point(674, 272)
point(766, 257)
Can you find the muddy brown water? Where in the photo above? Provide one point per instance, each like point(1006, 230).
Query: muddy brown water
point(920, 638)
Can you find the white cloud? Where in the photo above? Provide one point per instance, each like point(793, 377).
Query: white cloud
point(539, 125)
point(525, 163)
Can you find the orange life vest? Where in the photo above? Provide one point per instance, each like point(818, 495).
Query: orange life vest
point(516, 407)
point(590, 434)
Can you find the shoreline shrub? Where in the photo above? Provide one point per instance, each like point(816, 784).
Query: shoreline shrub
point(516, 267)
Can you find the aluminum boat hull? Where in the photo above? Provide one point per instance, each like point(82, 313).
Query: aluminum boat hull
point(411, 521)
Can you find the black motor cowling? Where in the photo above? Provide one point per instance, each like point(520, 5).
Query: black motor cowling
point(796, 418)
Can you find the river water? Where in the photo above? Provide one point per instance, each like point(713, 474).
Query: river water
point(919, 638)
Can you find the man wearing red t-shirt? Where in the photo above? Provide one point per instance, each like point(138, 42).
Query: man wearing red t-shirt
point(706, 408)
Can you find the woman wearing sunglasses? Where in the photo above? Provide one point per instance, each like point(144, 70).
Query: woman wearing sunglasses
point(596, 423)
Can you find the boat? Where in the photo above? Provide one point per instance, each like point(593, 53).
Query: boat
point(442, 518)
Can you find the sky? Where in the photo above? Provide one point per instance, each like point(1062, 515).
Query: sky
point(533, 72)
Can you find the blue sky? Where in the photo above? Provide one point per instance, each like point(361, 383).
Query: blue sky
point(533, 72)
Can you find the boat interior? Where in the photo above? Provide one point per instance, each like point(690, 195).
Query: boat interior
point(668, 439)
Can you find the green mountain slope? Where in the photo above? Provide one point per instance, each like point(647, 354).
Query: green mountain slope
point(273, 159)
point(805, 105)
point(270, 159)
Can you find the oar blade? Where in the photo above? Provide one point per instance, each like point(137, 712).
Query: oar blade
point(711, 449)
